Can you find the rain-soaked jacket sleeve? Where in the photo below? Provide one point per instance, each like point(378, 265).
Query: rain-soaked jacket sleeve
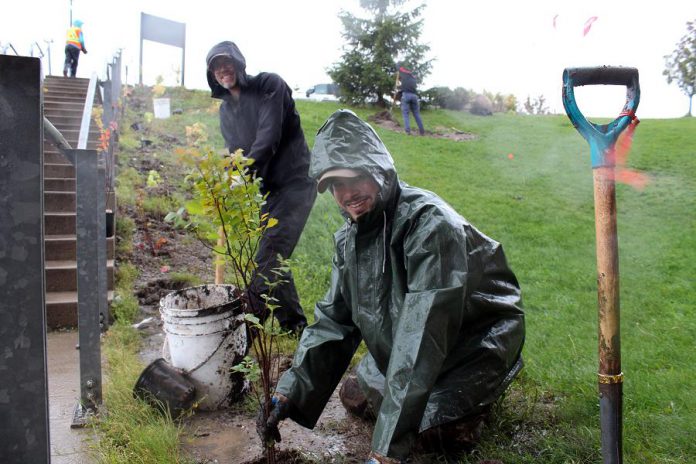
point(322, 357)
point(429, 321)
point(272, 111)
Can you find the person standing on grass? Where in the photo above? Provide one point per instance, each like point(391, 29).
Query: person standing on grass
point(74, 44)
point(409, 99)
point(258, 115)
point(431, 296)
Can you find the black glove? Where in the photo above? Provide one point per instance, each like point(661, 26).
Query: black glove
point(268, 429)
point(84, 50)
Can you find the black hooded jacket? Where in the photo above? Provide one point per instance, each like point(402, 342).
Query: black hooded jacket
point(263, 122)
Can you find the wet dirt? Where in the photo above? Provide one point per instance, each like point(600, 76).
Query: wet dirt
point(228, 436)
point(386, 120)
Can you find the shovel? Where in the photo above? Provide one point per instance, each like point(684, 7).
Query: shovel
point(602, 139)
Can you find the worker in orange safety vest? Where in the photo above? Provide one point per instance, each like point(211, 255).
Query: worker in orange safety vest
point(75, 42)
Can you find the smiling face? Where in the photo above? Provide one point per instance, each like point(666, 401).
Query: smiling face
point(225, 72)
point(355, 195)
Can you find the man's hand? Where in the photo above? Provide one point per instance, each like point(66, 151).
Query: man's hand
point(84, 50)
point(268, 428)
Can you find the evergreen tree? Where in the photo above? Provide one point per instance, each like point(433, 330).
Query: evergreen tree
point(681, 64)
point(376, 47)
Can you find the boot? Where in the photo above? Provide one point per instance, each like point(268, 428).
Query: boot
point(455, 437)
point(354, 400)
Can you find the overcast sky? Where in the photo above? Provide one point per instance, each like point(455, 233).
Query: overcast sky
point(502, 46)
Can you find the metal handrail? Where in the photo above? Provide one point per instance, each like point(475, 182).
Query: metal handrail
point(9, 45)
point(55, 135)
point(87, 113)
point(36, 44)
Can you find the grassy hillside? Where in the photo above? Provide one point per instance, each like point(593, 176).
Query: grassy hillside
point(526, 181)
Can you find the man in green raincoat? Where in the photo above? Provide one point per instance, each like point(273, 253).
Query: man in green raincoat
point(432, 297)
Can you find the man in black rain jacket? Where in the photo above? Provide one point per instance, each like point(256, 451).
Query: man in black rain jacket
point(431, 296)
point(258, 115)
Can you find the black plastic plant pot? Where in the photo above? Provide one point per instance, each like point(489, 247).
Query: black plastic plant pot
point(165, 388)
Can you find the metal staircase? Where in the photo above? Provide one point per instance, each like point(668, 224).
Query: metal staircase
point(64, 100)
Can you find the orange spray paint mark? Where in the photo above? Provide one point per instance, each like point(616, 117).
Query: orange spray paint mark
point(619, 155)
point(588, 25)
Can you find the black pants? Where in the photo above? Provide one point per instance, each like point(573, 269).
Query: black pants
point(72, 55)
point(291, 207)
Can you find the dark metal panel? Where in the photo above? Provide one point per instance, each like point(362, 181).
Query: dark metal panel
point(88, 306)
point(24, 427)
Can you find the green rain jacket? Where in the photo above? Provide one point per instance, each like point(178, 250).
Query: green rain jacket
point(432, 297)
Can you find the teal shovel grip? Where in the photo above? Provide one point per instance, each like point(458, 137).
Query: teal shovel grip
point(601, 137)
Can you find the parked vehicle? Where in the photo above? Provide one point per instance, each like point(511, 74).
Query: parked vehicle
point(323, 92)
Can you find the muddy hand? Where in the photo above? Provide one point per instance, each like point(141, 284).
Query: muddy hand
point(268, 428)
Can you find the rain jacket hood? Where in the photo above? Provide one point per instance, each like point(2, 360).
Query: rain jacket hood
point(431, 296)
point(347, 142)
point(230, 50)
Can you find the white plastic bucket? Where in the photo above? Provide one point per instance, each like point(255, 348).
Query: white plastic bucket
point(206, 336)
point(161, 107)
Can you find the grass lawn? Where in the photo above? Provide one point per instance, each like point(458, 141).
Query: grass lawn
point(526, 181)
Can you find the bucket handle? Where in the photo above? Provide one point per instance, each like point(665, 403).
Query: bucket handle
point(601, 137)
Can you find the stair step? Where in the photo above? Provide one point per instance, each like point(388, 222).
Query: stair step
point(59, 223)
point(65, 105)
point(72, 135)
point(64, 247)
point(64, 97)
point(82, 88)
point(59, 202)
point(57, 79)
point(73, 111)
point(54, 156)
point(68, 297)
point(60, 247)
point(51, 149)
point(59, 184)
point(61, 276)
point(73, 132)
point(61, 308)
point(63, 120)
point(59, 171)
